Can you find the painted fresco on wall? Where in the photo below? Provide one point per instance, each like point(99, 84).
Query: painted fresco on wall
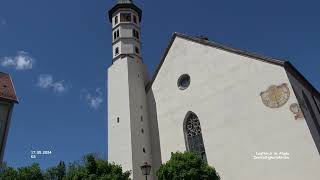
point(296, 110)
point(275, 96)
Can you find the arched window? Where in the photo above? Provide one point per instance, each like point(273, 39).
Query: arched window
point(193, 135)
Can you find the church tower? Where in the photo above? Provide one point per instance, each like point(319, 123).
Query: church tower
point(128, 132)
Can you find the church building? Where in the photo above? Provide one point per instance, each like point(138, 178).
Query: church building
point(249, 116)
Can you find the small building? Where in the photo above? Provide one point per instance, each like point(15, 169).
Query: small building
point(7, 100)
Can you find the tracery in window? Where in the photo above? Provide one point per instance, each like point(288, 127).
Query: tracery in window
point(193, 135)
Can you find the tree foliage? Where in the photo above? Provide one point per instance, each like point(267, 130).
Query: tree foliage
point(186, 166)
point(91, 168)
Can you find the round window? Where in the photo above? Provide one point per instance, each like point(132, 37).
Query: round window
point(184, 81)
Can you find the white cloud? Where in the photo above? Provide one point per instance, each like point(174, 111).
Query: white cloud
point(21, 61)
point(46, 81)
point(94, 99)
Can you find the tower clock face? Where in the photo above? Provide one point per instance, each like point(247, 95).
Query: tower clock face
point(276, 96)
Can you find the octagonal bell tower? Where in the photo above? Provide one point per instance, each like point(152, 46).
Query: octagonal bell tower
point(128, 126)
point(125, 18)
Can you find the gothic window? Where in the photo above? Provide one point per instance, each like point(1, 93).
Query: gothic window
point(125, 17)
point(144, 150)
point(311, 112)
point(193, 135)
point(118, 119)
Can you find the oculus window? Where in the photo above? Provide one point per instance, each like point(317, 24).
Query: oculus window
point(183, 81)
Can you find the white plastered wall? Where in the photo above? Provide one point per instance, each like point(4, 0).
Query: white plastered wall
point(225, 94)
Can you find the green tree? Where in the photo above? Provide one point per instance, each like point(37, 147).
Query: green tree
point(91, 168)
point(186, 166)
point(8, 173)
point(94, 168)
point(56, 173)
point(32, 172)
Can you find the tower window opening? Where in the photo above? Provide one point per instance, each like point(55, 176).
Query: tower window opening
point(142, 130)
point(115, 20)
point(116, 34)
point(135, 33)
point(137, 50)
point(125, 17)
point(143, 150)
point(141, 118)
point(118, 119)
point(135, 19)
point(116, 51)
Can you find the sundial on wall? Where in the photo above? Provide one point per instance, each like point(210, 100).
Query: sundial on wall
point(275, 96)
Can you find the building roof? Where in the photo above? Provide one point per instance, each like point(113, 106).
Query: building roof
point(7, 91)
point(204, 41)
point(124, 4)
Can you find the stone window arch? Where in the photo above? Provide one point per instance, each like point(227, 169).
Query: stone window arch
point(193, 135)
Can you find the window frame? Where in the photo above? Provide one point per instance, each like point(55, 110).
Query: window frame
point(126, 17)
point(116, 51)
point(194, 143)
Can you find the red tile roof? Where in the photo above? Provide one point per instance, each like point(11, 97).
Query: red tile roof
point(7, 91)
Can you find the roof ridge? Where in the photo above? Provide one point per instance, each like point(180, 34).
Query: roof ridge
point(215, 45)
point(269, 59)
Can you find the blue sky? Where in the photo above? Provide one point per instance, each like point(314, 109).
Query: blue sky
point(58, 52)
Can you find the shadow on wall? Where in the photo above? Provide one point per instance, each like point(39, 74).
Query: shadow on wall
point(154, 132)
